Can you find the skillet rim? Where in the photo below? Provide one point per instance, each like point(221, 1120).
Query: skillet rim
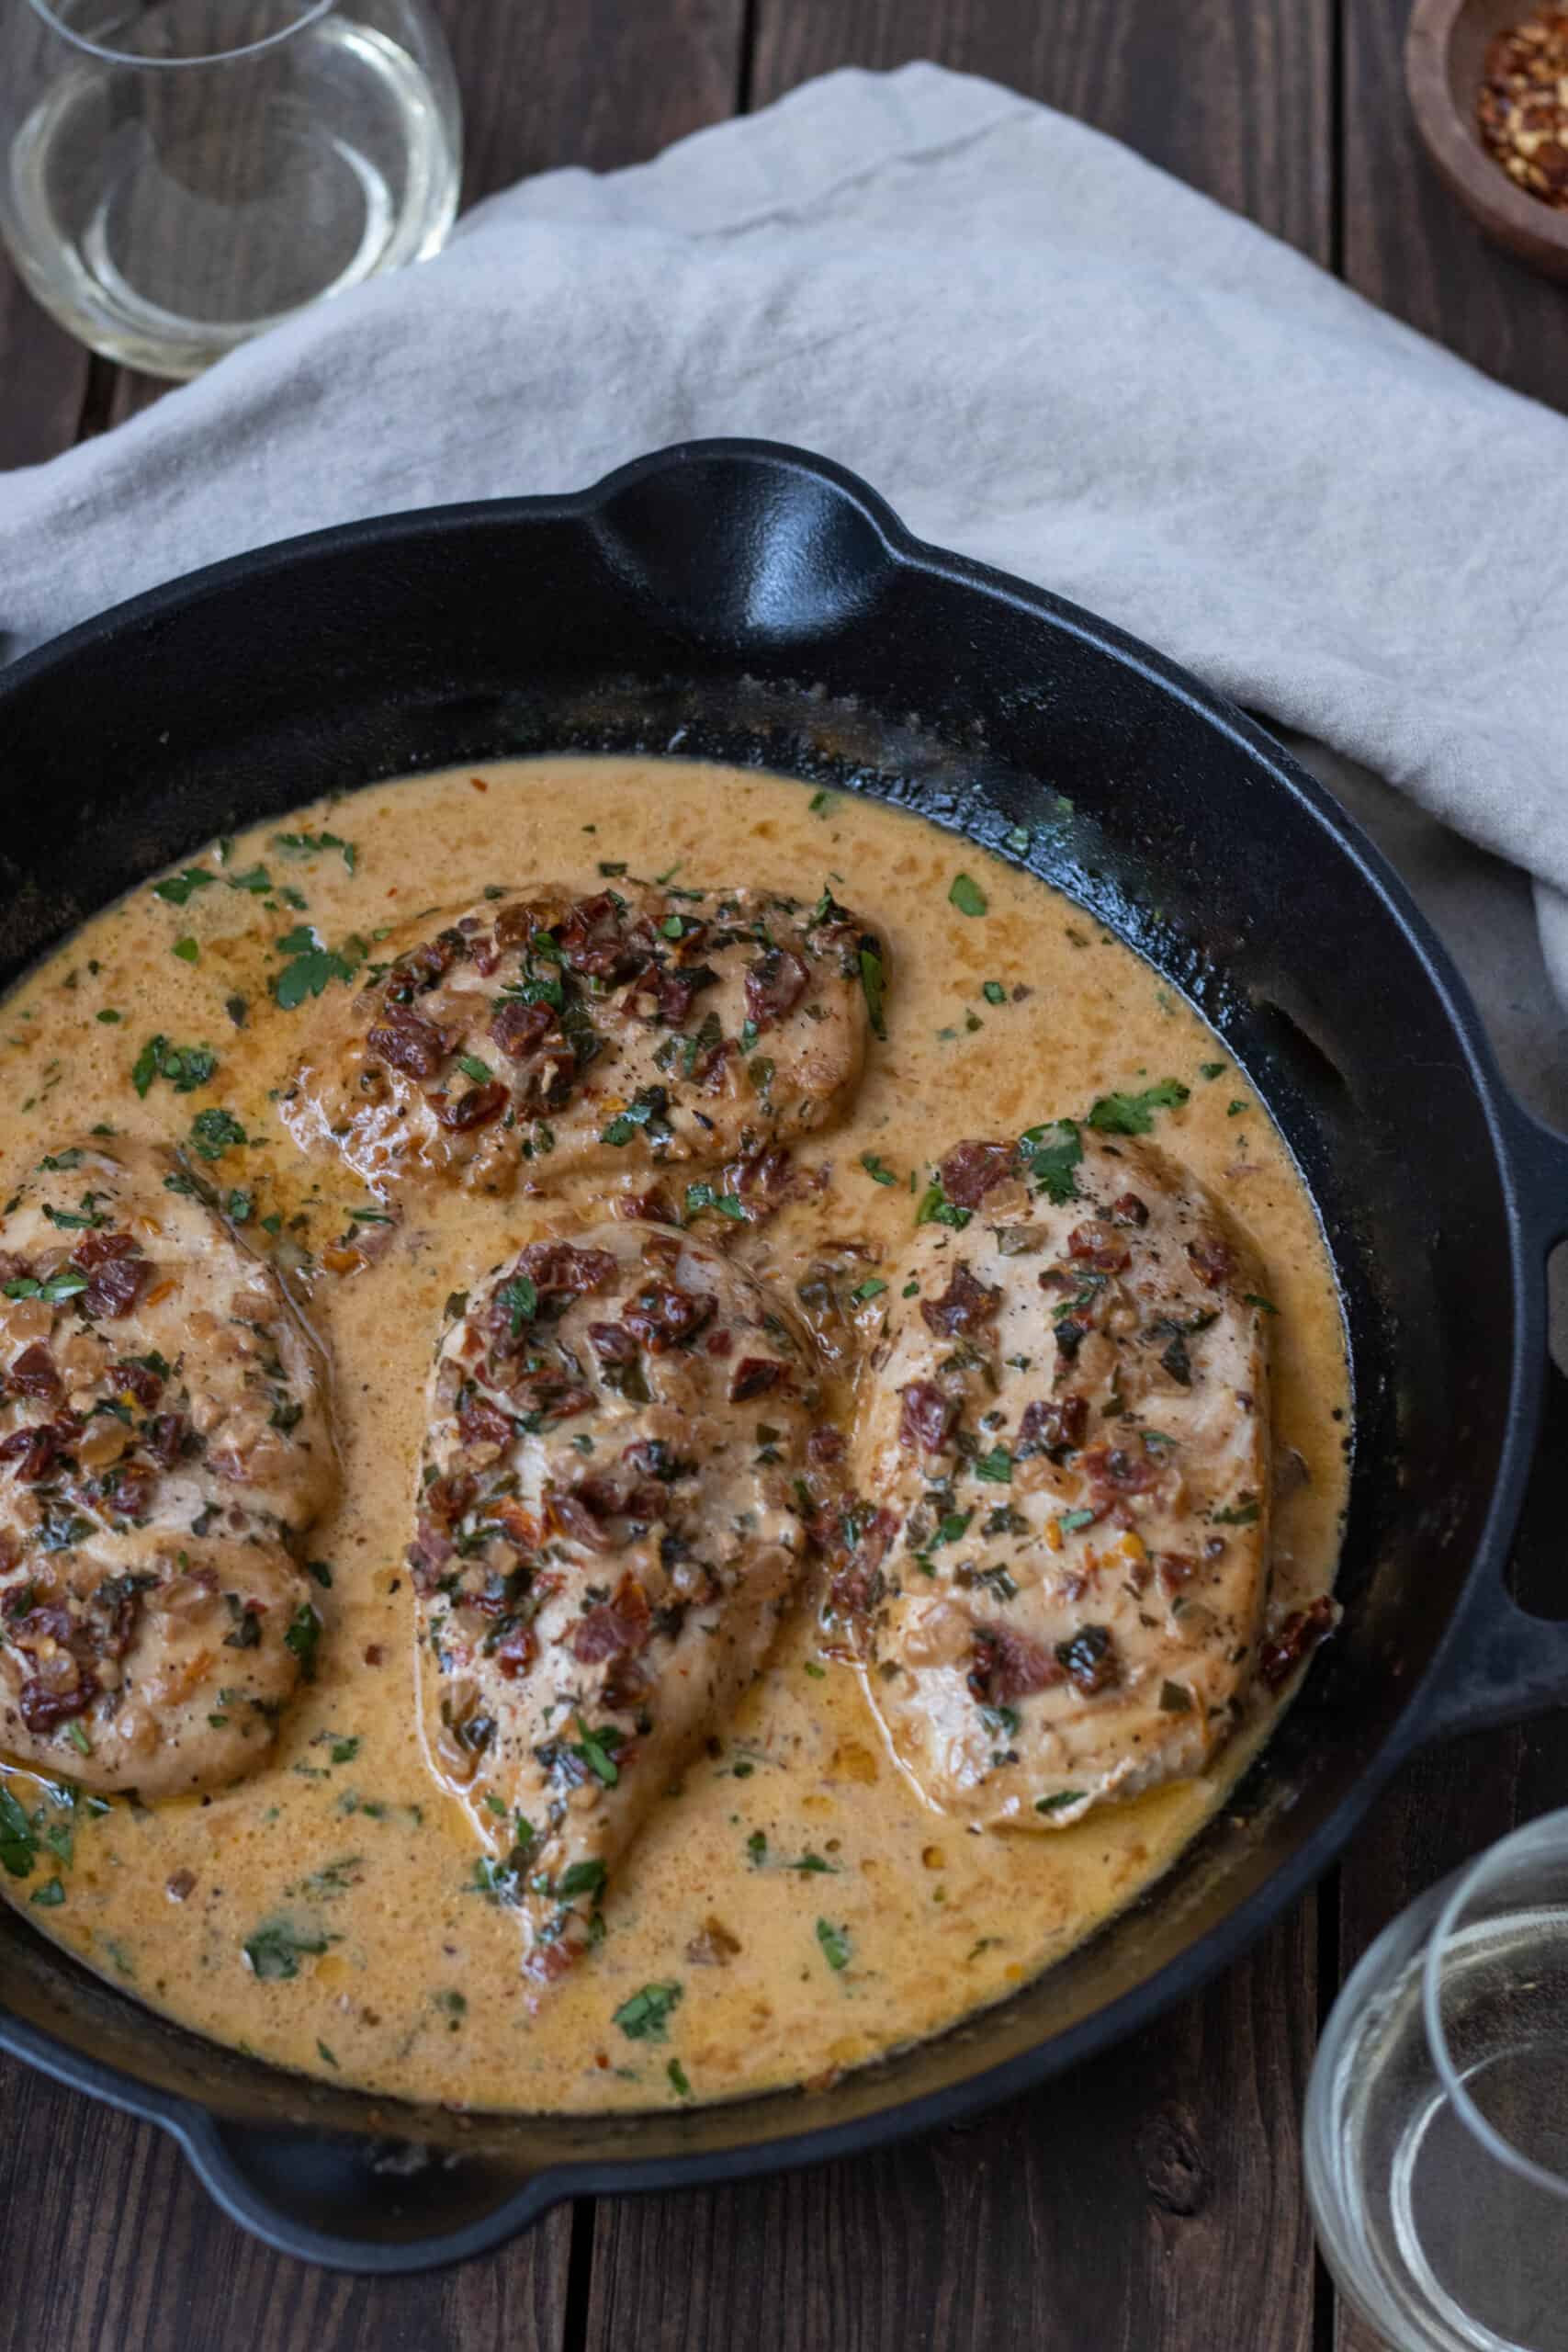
point(1516, 1139)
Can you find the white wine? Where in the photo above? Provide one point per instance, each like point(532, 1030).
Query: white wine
point(166, 217)
point(1461, 2248)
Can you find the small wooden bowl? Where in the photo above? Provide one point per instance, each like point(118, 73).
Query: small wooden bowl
point(1445, 55)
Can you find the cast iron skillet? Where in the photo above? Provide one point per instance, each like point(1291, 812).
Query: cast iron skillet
point(753, 604)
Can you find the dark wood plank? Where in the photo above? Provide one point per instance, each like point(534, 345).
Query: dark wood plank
point(594, 82)
point(44, 374)
point(106, 2240)
point(1234, 96)
point(1413, 249)
point(1151, 2203)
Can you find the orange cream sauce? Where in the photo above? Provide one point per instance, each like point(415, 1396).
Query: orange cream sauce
point(346, 1856)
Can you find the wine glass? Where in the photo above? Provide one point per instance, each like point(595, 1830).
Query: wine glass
point(177, 175)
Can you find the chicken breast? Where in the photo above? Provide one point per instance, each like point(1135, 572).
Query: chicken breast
point(549, 1031)
point(608, 1531)
point(1054, 1570)
point(163, 1443)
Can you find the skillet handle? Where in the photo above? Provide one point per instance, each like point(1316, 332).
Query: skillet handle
point(1505, 1665)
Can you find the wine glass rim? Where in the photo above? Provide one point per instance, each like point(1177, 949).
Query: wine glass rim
point(310, 14)
point(1547, 1836)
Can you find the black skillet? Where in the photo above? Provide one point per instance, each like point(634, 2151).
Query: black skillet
point(749, 603)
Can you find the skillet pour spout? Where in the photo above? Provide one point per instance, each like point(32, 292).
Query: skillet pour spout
point(756, 605)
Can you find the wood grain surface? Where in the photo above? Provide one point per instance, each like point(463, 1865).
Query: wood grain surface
point(1151, 2202)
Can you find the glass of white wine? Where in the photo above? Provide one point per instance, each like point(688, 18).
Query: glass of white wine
point(177, 175)
point(1437, 2120)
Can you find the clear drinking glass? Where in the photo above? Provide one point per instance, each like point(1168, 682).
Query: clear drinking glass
point(176, 174)
point(1437, 2120)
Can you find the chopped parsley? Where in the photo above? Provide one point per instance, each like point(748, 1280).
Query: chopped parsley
point(213, 1132)
point(1133, 1114)
point(274, 1951)
point(302, 1638)
point(521, 1299)
point(18, 1838)
point(646, 2016)
point(312, 965)
point(872, 980)
point(1051, 1154)
point(997, 1466)
point(591, 1748)
point(872, 1287)
point(935, 1208)
point(187, 950)
point(875, 1167)
point(316, 845)
point(966, 896)
point(835, 1943)
point(1062, 1798)
point(186, 1068)
point(993, 992)
point(176, 889)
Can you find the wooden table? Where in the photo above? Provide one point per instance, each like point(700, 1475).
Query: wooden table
point(1152, 2201)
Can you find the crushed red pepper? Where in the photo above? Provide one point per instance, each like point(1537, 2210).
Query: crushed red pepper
point(1522, 109)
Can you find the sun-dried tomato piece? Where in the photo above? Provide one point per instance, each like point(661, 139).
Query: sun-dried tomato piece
point(1056, 1424)
point(1281, 1652)
point(477, 1108)
point(662, 1315)
point(518, 1028)
point(966, 1307)
point(972, 1169)
point(481, 1423)
point(927, 1416)
point(1212, 1257)
point(34, 1373)
point(620, 1627)
point(1099, 1246)
point(138, 1380)
point(407, 1042)
point(1005, 1665)
point(755, 1376)
point(775, 986)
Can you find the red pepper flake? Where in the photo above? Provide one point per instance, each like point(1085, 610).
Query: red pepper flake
point(1522, 106)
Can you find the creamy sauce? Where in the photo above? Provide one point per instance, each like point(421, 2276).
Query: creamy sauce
point(382, 1962)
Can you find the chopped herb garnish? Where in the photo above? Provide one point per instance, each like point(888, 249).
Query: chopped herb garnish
point(314, 845)
point(1071, 1520)
point(646, 2016)
point(935, 1208)
point(1063, 1797)
point(520, 1297)
point(997, 1466)
point(1052, 1153)
point(1211, 1070)
point(213, 1132)
point(274, 1951)
point(302, 1636)
point(1133, 1114)
point(872, 1287)
point(581, 1878)
point(835, 1943)
point(966, 896)
point(591, 1748)
point(872, 981)
point(875, 1168)
point(176, 888)
point(993, 992)
point(187, 950)
point(312, 965)
point(819, 803)
point(705, 1196)
point(1243, 1515)
point(18, 1839)
point(678, 2083)
point(1256, 1298)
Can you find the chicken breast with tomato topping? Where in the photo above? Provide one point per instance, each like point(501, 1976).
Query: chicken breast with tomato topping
point(164, 1444)
point(550, 1032)
point(1056, 1568)
point(608, 1531)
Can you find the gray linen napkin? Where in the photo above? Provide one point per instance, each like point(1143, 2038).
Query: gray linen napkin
point(1044, 351)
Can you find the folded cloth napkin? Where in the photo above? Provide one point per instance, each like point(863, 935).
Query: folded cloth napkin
point(1042, 350)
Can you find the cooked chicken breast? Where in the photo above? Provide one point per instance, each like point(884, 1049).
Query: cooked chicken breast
point(163, 1441)
point(608, 1531)
point(1055, 1568)
point(550, 1032)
